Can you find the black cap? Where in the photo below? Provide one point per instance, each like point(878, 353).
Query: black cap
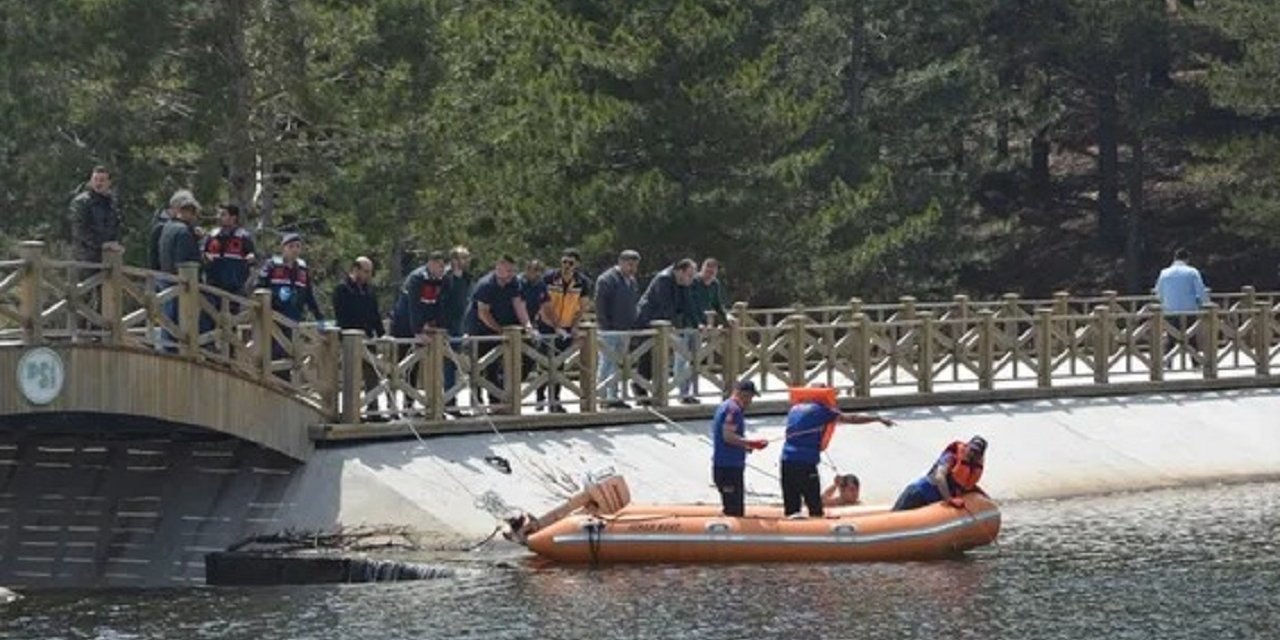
point(746, 386)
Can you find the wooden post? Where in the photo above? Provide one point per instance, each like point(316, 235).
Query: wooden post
point(907, 308)
point(986, 349)
point(661, 358)
point(1211, 321)
point(113, 293)
point(263, 324)
point(189, 309)
point(328, 364)
point(1248, 297)
point(924, 365)
point(1044, 348)
point(32, 292)
point(588, 355)
point(1061, 303)
point(855, 307)
point(513, 366)
point(740, 312)
point(1157, 342)
point(352, 375)
point(861, 355)
point(1261, 340)
point(1111, 296)
point(1101, 344)
point(730, 355)
point(432, 372)
point(797, 368)
point(961, 304)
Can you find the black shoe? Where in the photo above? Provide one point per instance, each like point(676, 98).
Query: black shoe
point(644, 402)
point(690, 400)
point(616, 404)
point(557, 408)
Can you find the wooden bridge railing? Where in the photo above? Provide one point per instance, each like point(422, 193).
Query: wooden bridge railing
point(911, 347)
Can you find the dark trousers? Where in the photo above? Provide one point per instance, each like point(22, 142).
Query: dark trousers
point(644, 368)
point(494, 372)
point(918, 494)
point(554, 347)
point(1193, 340)
point(732, 490)
point(800, 480)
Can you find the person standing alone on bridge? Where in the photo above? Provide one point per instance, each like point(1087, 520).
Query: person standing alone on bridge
point(1181, 292)
point(95, 219)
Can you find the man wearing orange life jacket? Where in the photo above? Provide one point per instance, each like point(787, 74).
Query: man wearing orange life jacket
point(808, 428)
point(955, 473)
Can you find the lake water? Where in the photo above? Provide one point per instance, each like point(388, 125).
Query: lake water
point(1189, 563)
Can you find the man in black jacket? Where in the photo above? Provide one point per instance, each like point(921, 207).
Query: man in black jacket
point(95, 220)
point(355, 306)
point(666, 298)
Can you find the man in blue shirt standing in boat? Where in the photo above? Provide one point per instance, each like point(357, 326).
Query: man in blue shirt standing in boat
point(729, 458)
point(807, 423)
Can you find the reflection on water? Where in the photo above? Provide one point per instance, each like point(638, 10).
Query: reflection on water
point(1196, 563)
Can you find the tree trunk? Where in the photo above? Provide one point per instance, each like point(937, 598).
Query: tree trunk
point(1040, 179)
point(1108, 163)
point(241, 166)
point(1134, 237)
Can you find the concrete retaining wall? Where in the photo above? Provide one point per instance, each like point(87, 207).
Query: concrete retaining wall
point(1038, 449)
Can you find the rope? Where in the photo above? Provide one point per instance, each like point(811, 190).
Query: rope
point(681, 427)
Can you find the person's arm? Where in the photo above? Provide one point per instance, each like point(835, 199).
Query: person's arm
point(412, 289)
point(342, 307)
point(1202, 294)
point(829, 495)
point(604, 298)
point(486, 317)
point(732, 438)
point(717, 302)
point(522, 312)
point(864, 418)
point(309, 299)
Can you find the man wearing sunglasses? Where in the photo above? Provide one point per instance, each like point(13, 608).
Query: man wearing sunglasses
point(567, 294)
point(955, 473)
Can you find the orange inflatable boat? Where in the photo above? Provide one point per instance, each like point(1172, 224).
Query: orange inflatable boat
point(697, 534)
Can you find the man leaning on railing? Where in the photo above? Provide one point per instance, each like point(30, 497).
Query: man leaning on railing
point(617, 295)
point(1182, 292)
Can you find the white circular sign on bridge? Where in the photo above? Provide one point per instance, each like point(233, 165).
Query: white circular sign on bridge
point(41, 375)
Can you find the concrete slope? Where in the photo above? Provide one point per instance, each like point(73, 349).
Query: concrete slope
point(1051, 448)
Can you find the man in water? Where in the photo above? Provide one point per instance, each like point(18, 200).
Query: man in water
point(955, 473)
point(845, 491)
point(729, 456)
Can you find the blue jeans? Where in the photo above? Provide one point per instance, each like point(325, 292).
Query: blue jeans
point(920, 493)
point(614, 345)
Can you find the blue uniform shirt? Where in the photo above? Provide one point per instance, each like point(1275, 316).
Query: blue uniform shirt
point(805, 423)
point(724, 454)
point(1181, 289)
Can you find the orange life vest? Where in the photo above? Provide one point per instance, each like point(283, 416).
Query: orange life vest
point(821, 395)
